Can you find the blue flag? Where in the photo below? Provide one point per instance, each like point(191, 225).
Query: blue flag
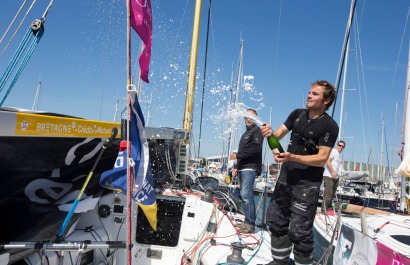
point(143, 191)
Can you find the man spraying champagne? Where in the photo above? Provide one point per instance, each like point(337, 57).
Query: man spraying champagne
point(295, 198)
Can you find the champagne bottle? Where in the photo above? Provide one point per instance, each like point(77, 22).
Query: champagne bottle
point(274, 144)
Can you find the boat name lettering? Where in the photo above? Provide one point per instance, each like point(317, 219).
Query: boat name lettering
point(51, 127)
point(119, 162)
point(93, 130)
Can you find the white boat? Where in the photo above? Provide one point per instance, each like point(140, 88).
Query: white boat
point(262, 182)
point(368, 195)
point(376, 237)
point(194, 226)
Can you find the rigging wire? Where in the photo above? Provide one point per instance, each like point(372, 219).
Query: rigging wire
point(359, 57)
point(12, 22)
point(204, 77)
point(365, 97)
point(343, 55)
point(394, 76)
point(29, 43)
point(277, 41)
point(177, 34)
point(17, 29)
point(398, 55)
point(108, 31)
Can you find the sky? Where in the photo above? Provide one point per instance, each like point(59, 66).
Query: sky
point(288, 44)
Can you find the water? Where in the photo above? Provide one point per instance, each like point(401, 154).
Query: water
point(232, 115)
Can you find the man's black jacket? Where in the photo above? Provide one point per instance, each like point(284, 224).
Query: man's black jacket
point(249, 153)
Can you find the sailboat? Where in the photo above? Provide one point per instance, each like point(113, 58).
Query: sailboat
point(356, 189)
point(353, 234)
point(193, 226)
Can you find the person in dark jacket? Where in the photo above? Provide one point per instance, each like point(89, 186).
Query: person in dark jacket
point(248, 167)
point(294, 200)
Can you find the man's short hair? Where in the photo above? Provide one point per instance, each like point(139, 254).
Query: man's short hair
point(254, 111)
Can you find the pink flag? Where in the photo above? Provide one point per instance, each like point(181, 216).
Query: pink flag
point(141, 22)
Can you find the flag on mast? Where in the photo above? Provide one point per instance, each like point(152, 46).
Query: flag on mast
point(143, 191)
point(141, 22)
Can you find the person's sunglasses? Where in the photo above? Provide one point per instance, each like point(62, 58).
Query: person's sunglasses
point(342, 146)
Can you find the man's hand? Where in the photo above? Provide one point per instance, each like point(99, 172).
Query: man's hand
point(266, 130)
point(234, 172)
point(282, 157)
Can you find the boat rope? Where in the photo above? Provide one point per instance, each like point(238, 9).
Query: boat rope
point(24, 51)
point(18, 27)
point(328, 251)
point(403, 38)
point(29, 43)
point(169, 164)
point(377, 230)
point(12, 22)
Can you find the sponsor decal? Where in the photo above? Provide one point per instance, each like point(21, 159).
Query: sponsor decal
point(43, 125)
point(24, 125)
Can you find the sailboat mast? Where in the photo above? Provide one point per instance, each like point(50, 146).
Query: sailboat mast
point(226, 160)
point(344, 51)
point(405, 187)
point(341, 131)
point(36, 97)
point(189, 99)
point(129, 177)
point(238, 87)
point(381, 171)
point(204, 77)
point(238, 81)
point(406, 133)
point(149, 110)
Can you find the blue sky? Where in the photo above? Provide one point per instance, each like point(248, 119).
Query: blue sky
point(287, 45)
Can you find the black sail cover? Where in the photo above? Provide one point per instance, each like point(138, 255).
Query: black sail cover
point(40, 171)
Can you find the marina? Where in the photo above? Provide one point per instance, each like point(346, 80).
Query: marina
point(121, 169)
